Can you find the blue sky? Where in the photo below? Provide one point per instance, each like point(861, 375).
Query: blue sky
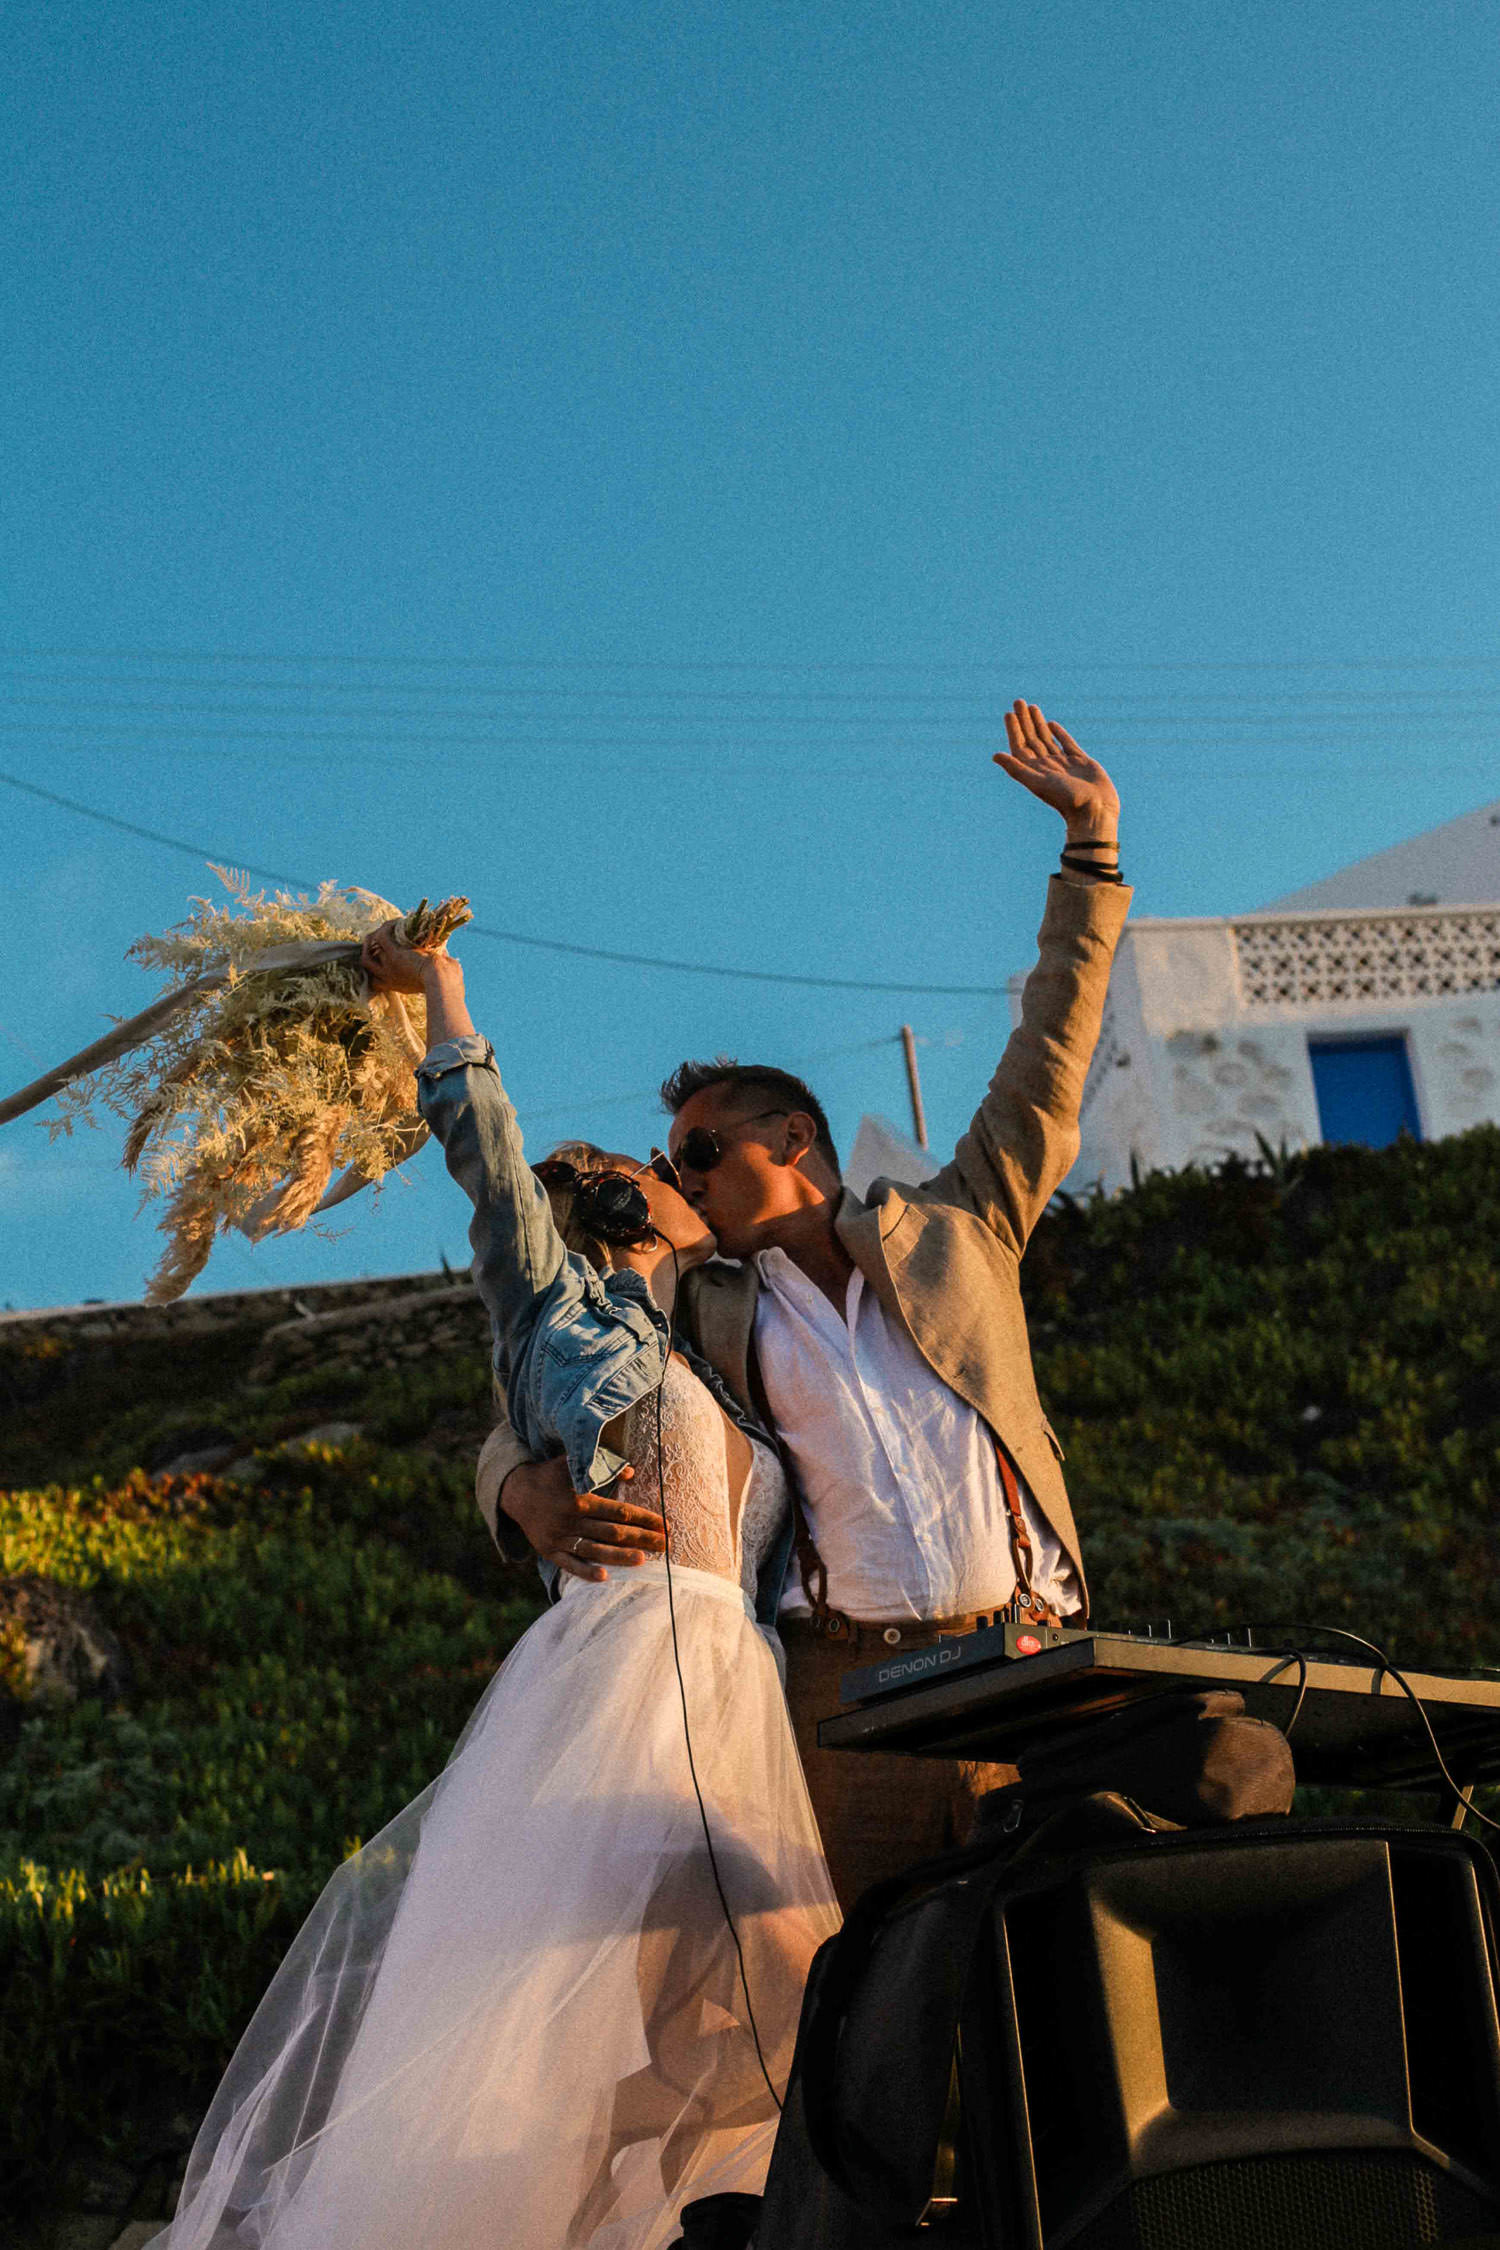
point(618, 462)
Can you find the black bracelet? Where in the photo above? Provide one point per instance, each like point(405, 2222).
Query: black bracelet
point(1099, 844)
point(1087, 867)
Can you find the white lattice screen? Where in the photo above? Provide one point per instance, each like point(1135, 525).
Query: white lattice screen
point(1367, 957)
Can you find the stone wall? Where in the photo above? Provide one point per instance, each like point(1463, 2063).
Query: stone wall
point(218, 1312)
point(376, 1324)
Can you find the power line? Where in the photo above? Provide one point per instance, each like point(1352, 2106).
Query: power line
point(1034, 662)
point(511, 937)
point(21, 1047)
point(304, 714)
point(650, 1093)
point(1169, 740)
point(986, 700)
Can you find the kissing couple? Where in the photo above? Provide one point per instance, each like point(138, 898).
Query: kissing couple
point(755, 1427)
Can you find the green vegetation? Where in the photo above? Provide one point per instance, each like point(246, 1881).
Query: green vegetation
point(1276, 1386)
point(303, 1651)
point(119, 1989)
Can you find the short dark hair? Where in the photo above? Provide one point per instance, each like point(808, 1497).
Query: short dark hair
point(756, 1082)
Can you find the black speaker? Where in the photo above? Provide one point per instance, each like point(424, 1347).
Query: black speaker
point(1282, 2037)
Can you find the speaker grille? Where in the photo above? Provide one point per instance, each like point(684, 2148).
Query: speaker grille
point(1314, 2202)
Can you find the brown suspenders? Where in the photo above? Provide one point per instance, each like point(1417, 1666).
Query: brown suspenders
point(1026, 1606)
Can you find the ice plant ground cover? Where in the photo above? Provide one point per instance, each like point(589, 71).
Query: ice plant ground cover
point(245, 1102)
point(1276, 1388)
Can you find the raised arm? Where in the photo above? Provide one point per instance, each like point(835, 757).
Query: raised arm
point(1024, 1135)
point(517, 1255)
point(518, 1252)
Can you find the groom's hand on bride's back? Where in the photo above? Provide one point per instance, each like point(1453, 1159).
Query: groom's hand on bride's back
point(580, 1532)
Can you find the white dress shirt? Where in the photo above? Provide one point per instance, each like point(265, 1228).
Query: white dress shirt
point(898, 1472)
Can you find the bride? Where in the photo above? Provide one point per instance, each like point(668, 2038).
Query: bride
point(556, 1998)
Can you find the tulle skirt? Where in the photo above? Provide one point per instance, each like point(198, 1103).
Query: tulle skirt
point(518, 2017)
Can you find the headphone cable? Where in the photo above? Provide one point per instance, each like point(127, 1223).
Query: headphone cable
point(687, 1732)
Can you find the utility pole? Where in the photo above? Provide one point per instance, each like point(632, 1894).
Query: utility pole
point(914, 1085)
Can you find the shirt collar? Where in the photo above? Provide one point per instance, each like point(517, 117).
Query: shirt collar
point(782, 1277)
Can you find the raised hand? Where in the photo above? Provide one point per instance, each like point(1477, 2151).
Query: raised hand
point(393, 966)
point(1046, 760)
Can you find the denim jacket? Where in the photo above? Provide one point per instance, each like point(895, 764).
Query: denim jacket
point(573, 1348)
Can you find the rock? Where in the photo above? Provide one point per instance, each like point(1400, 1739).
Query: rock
point(181, 1452)
point(251, 1468)
point(101, 2186)
point(245, 1468)
point(326, 1433)
point(206, 1462)
point(84, 2230)
point(54, 1646)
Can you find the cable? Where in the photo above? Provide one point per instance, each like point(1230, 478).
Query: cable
point(1166, 730)
point(1341, 1633)
point(591, 1102)
point(687, 1731)
point(1377, 702)
point(512, 937)
point(978, 710)
point(1292, 1656)
point(32, 1055)
point(1035, 661)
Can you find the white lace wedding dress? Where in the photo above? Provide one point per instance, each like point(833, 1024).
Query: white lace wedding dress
point(516, 2019)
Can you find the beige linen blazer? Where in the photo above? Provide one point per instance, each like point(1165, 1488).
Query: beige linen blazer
point(944, 1258)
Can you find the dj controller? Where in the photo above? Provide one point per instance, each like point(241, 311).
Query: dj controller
point(1008, 1687)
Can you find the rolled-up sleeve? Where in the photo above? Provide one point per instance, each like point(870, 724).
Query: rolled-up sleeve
point(456, 1054)
point(501, 1452)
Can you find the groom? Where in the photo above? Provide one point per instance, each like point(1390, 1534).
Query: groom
point(885, 1343)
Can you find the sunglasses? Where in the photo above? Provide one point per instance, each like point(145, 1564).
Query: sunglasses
point(700, 1149)
point(558, 1172)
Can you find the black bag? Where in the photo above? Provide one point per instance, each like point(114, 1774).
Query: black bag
point(718, 2222)
point(873, 2099)
point(900, 2020)
point(1189, 1758)
point(866, 2134)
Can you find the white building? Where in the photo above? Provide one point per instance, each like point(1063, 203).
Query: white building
point(1348, 1011)
point(882, 1151)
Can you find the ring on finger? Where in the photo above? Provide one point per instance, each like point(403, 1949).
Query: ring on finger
point(577, 1543)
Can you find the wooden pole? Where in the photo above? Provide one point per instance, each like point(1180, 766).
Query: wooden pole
point(914, 1085)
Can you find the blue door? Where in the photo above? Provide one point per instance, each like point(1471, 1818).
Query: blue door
point(1364, 1090)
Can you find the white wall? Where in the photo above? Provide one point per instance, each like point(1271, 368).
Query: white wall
point(882, 1151)
point(1186, 1071)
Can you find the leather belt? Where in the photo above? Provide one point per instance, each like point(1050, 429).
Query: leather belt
point(854, 1635)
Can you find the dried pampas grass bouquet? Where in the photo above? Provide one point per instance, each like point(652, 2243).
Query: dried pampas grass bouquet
point(267, 1067)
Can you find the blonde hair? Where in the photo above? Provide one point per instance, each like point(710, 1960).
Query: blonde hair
point(585, 1157)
